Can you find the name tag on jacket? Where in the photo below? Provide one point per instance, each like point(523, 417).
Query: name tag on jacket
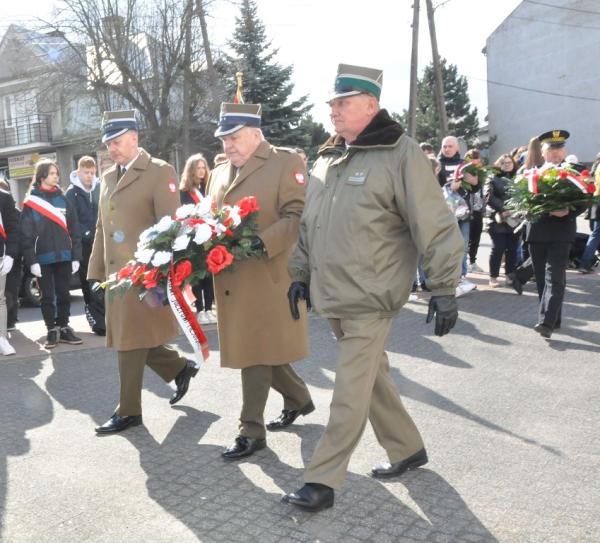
point(358, 177)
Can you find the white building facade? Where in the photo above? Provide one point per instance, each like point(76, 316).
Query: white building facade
point(543, 73)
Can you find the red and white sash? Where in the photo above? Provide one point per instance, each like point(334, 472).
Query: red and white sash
point(2, 231)
point(187, 320)
point(46, 209)
point(196, 195)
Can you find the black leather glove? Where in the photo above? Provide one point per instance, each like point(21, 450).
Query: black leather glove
point(298, 291)
point(256, 244)
point(445, 310)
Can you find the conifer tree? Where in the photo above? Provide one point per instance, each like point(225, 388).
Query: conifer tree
point(266, 82)
point(462, 118)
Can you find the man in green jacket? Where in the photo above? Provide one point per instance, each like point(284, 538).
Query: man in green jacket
point(373, 206)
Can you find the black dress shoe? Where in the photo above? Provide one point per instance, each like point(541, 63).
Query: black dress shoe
point(311, 497)
point(385, 470)
point(287, 416)
point(118, 424)
point(182, 381)
point(543, 330)
point(244, 446)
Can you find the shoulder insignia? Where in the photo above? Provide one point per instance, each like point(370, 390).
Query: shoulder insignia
point(299, 177)
point(172, 185)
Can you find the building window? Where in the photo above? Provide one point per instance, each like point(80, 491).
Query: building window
point(9, 110)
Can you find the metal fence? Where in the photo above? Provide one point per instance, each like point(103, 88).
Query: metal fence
point(27, 129)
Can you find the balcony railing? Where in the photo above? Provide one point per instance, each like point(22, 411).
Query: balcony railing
point(25, 130)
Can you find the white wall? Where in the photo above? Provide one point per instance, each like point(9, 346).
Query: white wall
point(548, 49)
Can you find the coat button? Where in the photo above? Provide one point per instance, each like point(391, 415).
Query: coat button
point(226, 293)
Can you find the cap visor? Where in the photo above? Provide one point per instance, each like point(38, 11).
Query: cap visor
point(113, 135)
point(335, 95)
point(227, 129)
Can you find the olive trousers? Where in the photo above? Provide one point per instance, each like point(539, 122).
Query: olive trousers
point(363, 390)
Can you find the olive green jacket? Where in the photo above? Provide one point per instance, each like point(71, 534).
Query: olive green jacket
point(372, 208)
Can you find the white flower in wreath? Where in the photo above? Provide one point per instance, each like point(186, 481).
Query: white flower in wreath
point(203, 233)
point(234, 215)
point(185, 211)
point(147, 235)
point(164, 224)
point(220, 228)
point(204, 206)
point(161, 258)
point(144, 255)
point(181, 243)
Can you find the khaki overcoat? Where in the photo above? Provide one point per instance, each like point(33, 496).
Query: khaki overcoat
point(255, 323)
point(146, 193)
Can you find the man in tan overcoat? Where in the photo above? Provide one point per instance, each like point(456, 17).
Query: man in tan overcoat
point(256, 331)
point(135, 194)
point(373, 207)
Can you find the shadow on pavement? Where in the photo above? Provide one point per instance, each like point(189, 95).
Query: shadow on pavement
point(23, 406)
point(220, 501)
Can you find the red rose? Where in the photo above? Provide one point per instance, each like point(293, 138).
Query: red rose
point(194, 222)
point(247, 205)
point(585, 173)
point(182, 271)
point(137, 274)
point(151, 278)
point(562, 174)
point(125, 272)
point(591, 188)
point(217, 259)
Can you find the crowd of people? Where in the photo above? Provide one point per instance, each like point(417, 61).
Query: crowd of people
point(379, 217)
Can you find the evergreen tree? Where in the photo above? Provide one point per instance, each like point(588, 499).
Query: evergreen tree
point(265, 81)
point(316, 136)
point(462, 119)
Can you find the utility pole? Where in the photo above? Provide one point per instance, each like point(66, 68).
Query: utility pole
point(437, 71)
point(414, 60)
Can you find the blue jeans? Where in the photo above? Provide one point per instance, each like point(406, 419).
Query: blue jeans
point(465, 230)
point(591, 246)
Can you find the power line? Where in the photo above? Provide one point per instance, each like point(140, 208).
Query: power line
point(555, 23)
point(537, 91)
point(589, 12)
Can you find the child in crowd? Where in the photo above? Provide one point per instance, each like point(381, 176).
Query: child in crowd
point(191, 188)
point(51, 247)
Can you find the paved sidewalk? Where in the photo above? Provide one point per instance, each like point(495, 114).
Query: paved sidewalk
point(510, 421)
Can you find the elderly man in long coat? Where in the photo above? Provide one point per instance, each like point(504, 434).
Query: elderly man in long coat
point(136, 193)
point(256, 331)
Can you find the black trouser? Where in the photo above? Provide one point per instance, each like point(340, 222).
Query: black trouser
point(475, 235)
point(86, 251)
point(54, 284)
point(550, 261)
point(503, 243)
point(204, 293)
point(11, 291)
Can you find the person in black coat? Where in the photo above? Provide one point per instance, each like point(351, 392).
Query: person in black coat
point(9, 248)
point(550, 240)
point(501, 225)
point(449, 158)
point(191, 189)
point(84, 194)
point(51, 247)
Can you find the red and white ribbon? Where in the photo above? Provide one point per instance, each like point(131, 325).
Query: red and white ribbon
point(2, 231)
point(187, 320)
point(46, 209)
point(577, 182)
point(532, 180)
